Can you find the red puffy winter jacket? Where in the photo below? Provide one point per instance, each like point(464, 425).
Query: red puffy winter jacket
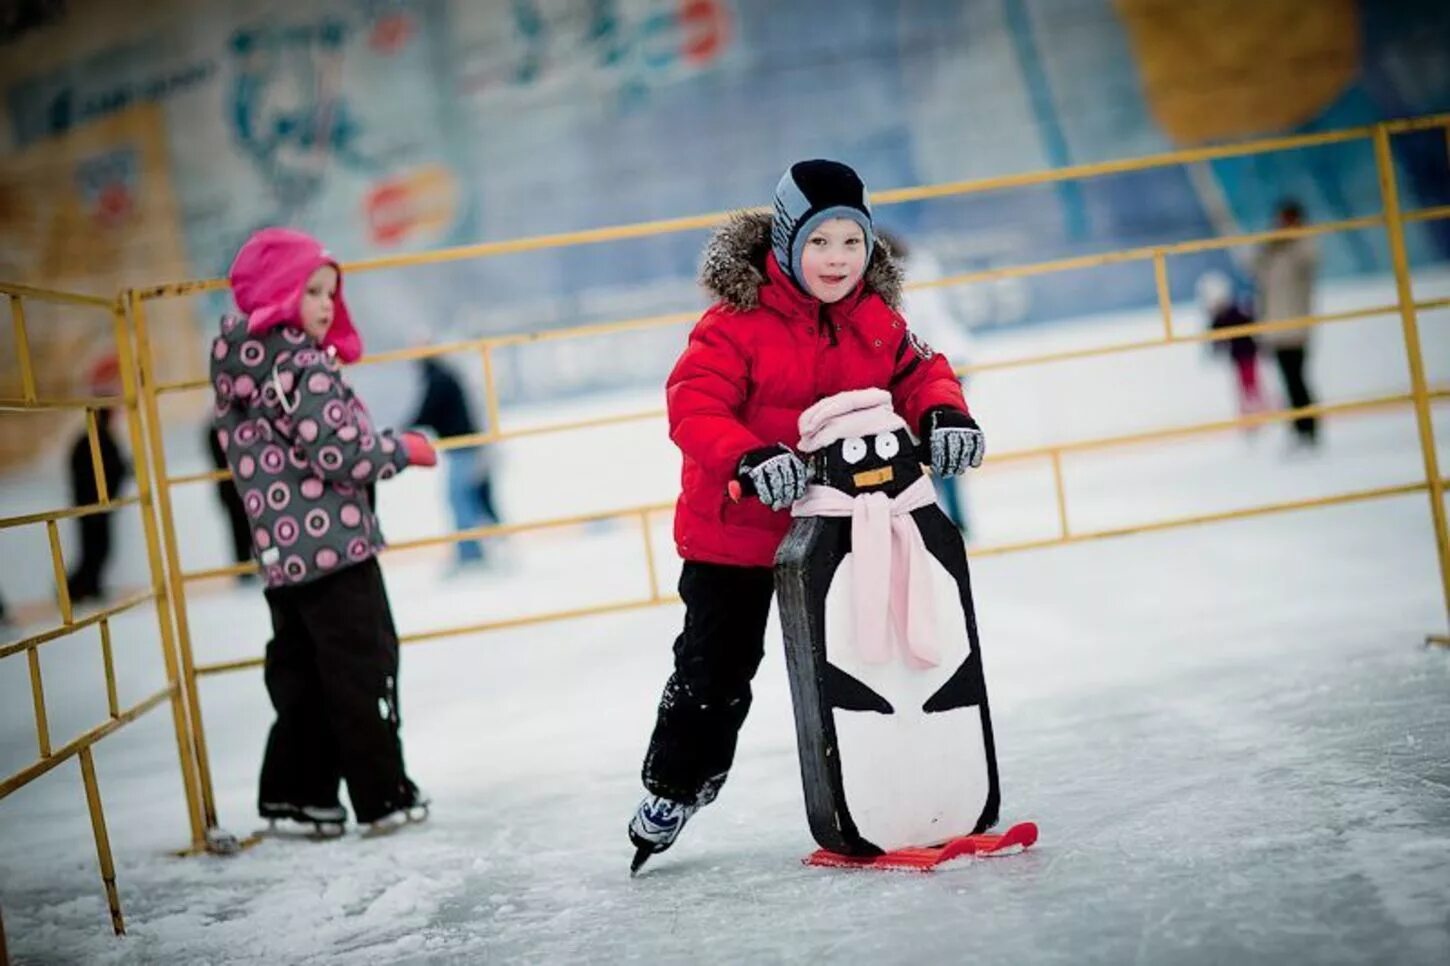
point(757, 359)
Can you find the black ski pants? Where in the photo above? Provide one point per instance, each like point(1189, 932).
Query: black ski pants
point(706, 699)
point(332, 674)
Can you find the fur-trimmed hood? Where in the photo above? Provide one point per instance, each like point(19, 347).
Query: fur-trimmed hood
point(733, 266)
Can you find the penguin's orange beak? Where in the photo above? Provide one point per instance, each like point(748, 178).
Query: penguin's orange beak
point(870, 478)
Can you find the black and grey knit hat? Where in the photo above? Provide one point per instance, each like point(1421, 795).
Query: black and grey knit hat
point(810, 193)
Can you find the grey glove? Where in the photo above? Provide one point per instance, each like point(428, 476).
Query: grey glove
point(955, 439)
point(776, 475)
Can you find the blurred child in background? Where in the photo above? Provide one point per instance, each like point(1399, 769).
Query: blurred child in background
point(1222, 308)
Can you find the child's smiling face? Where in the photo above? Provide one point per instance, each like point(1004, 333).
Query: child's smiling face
point(834, 259)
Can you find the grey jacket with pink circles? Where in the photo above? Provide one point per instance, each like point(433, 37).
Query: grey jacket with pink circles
point(302, 450)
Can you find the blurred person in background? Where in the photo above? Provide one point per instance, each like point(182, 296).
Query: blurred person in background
point(85, 581)
point(936, 322)
point(1220, 304)
point(231, 501)
point(445, 411)
point(1284, 271)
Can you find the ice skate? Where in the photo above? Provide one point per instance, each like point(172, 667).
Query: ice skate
point(411, 813)
point(656, 824)
point(316, 822)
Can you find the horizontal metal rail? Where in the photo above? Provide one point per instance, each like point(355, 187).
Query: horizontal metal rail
point(12, 404)
point(58, 756)
point(1338, 499)
point(594, 236)
point(68, 513)
point(420, 637)
point(65, 630)
point(56, 296)
point(1174, 523)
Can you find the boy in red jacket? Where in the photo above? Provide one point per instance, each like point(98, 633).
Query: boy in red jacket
point(808, 306)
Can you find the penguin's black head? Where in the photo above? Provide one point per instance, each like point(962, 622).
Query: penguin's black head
point(880, 463)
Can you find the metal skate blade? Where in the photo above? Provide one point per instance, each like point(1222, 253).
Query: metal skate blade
point(641, 854)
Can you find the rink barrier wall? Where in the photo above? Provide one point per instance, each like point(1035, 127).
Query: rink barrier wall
point(170, 579)
point(82, 747)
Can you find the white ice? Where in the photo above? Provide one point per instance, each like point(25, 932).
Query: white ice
point(1230, 736)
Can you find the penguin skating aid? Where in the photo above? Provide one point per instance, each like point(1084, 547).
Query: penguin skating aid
point(893, 725)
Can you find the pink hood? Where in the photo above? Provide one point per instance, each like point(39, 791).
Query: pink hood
point(268, 277)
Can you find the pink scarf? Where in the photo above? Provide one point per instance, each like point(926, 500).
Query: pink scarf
point(892, 576)
point(891, 580)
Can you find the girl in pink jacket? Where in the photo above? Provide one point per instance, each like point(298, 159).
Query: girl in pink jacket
point(305, 455)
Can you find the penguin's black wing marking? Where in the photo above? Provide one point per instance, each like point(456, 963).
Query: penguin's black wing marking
point(845, 692)
point(963, 689)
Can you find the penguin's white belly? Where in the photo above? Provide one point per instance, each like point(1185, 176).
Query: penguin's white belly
point(909, 778)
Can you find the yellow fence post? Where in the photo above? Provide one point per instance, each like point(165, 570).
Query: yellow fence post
point(108, 660)
point(57, 565)
point(98, 466)
point(1165, 295)
point(1395, 229)
point(22, 348)
point(37, 698)
point(649, 556)
point(490, 392)
point(1059, 490)
point(183, 717)
point(103, 840)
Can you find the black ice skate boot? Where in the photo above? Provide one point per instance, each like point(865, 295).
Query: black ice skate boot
point(326, 821)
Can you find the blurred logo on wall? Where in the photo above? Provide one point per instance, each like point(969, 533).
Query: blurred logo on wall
point(416, 207)
point(107, 184)
point(391, 32)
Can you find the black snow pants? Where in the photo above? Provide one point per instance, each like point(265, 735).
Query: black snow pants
point(332, 674)
point(706, 699)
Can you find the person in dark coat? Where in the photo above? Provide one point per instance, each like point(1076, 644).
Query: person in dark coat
point(445, 411)
point(86, 580)
point(231, 501)
point(1285, 270)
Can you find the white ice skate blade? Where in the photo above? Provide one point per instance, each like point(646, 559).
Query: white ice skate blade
point(310, 831)
point(391, 823)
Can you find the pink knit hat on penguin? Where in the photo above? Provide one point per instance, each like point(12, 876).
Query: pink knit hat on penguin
point(268, 277)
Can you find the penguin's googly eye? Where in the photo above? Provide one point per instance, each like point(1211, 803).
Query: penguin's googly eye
point(887, 445)
point(853, 450)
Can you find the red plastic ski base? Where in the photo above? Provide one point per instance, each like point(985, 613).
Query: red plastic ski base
point(925, 858)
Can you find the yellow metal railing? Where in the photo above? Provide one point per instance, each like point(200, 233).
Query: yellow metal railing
point(1410, 331)
point(50, 757)
point(1391, 219)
